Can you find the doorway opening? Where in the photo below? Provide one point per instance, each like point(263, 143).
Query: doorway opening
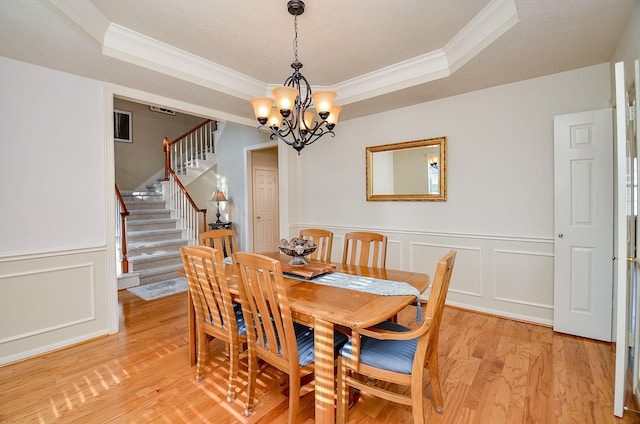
point(263, 197)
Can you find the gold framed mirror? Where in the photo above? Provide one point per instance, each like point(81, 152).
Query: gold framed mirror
point(412, 170)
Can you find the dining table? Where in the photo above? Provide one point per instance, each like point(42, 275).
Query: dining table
point(326, 307)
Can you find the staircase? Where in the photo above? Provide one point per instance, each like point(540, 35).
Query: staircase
point(153, 237)
point(154, 233)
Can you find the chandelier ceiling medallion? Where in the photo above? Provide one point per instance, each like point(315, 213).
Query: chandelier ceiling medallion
point(292, 119)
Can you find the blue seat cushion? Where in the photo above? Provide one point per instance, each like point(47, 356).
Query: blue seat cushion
point(390, 355)
point(304, 337)
point(237, 310)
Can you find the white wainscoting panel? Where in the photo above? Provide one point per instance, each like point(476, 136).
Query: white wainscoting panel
point(523, 277)
point(501, 275)
point(394, 254)
point(338, 245)
point(41, 294)
point(52, 300)
point(467, 271)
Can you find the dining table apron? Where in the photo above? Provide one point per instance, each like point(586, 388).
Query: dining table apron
point(324, 308)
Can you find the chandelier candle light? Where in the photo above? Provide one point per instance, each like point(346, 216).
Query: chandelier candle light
point(292, 119)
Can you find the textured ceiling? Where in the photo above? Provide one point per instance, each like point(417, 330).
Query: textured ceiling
point(378, 54)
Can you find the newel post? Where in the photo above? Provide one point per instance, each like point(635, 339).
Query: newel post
point(204, 219)
point(167, 159)
point(124, 262)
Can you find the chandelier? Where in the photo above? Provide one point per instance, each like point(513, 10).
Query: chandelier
point(292, 119)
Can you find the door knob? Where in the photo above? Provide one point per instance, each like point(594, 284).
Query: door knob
point(560, 235)
point(258, 217)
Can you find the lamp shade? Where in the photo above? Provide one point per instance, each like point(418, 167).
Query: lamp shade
point(275, 119)
point(218, 196)
point(285, 98)
point(333, 116)
point(307, 122)
point(324, 102)
point(262, 108)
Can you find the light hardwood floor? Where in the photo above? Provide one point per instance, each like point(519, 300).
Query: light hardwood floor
point(492, 371)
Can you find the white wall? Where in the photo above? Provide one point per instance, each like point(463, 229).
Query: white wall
point(53, 130)
point(230, 149)
point(499, 212)
point(136, 162)
point(53, 245)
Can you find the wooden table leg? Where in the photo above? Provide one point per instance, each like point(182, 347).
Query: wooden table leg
point(324, 379)
point(192, 329)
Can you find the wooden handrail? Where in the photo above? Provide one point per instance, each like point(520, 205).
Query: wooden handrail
point(192, 146)
point(123, 206)
point(215, 127)
point(166, 145)
point(124, 212)
point(186, 194)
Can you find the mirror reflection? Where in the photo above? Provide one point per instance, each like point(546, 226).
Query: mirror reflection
point(413, 170)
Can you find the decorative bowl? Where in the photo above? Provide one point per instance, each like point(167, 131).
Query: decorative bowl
point(297, 248)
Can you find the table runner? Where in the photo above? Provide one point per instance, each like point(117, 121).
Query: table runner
point(364, 284)
point(368, 285)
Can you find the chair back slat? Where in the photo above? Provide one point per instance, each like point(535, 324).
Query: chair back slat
point(209, 288)
point(266, 308)
point(323, 239)
point(436, 302)
point(365, 249)
point(223, 240)
point(389, 352)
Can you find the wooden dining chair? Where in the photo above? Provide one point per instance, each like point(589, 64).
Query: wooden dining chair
point(223, 240)
point(323, 239)
point(390, 352)
point(276, 339)
point(365, 249)
point(216, 314)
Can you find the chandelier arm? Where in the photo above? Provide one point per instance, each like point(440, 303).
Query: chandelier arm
point(288, 125)
point(318, 133)
point(298, 144)
point(318, 137)
point(275, 134)
point(307, 97)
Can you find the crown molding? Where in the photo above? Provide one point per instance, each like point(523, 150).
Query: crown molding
point(133, 47)
point(418, 70)
point(124, 44)
point(494, 20)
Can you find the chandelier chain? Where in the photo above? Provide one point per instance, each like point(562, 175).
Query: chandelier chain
point(295, 38)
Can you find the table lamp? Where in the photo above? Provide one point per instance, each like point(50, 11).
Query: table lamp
point(218, 197)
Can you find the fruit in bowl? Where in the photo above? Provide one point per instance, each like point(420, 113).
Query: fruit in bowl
point(297, 248)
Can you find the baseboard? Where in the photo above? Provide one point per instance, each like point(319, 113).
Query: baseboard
point(131, 279)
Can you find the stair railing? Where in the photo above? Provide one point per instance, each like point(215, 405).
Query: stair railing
point(179, 154)
point(121, 231)
point(188, 148)
point(186, 209)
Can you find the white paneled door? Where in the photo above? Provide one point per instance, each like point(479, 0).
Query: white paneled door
point(583, 248)
point(634, 137)
point(626, 238)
